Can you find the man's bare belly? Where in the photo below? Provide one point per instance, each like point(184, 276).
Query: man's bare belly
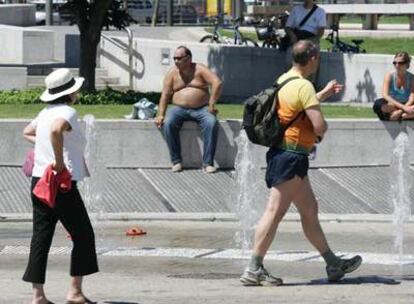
point(191, 98)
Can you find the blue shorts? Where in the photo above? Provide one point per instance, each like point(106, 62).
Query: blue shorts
point(284, 165)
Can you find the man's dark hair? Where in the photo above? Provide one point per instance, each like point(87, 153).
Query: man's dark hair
point(303, 51)
point(186, 50)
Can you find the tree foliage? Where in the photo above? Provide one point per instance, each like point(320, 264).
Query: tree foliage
point(89, 17)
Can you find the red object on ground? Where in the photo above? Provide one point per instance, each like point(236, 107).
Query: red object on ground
point(50, 183)
point(134, 231)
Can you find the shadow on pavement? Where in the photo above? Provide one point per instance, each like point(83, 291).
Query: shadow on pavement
point(206, 276)
point(351, 281)
point(119, 302)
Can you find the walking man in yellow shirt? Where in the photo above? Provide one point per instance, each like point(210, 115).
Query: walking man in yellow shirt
point(287, 167)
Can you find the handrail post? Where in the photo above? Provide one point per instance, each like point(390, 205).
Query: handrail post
point(129, 50)
point(130, 58)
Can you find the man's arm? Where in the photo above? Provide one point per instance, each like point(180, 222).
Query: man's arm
point(333, 87)
point(321, 23)
point(290, 26)
point(216, 86)
point(292, 37)
point(166, 94)
point(59, 126)
point(319, 124)
point(320, 32)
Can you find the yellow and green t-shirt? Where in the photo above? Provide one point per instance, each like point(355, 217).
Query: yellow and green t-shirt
point(295, 97)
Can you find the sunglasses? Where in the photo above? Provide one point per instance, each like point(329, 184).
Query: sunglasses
point(399, 62)
point(179, 58)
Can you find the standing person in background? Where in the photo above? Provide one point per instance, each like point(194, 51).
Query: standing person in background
point(287, 169)
point(60, 142)
point(306, 21)
point(397, 100)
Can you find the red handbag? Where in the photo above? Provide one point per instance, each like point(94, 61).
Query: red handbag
point(28, 163)
point(50, 183)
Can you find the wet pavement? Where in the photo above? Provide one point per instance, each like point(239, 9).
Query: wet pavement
point(200, 262)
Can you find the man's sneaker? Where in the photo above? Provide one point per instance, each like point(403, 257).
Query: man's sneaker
point(177, 167)
point(259, 277)
point(335, 273)
point(210, 169)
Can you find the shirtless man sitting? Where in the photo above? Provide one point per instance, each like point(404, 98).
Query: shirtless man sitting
point(187, 85)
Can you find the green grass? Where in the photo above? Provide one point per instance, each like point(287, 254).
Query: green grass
point(379, 46)
point(226, 111)
point(371, 45)
point(382, 19)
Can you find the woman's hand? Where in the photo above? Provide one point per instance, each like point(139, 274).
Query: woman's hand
point(58, 166)
point(408, 109)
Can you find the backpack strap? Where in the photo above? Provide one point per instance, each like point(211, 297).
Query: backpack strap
point(308, 15)
point(280, 86)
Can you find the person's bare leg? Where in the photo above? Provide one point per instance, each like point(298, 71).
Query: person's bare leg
point(396, 115)
point(39, 296)
point(407, 116)
point(75, 293)
point(278, 204)
point(307, 206)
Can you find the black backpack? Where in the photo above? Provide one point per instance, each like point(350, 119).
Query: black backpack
point(260, 120)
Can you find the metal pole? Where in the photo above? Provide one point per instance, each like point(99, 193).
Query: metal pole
point(238, 8)
point(155, 13)
point(49, 12)
point(170, 12)
point(220, 10)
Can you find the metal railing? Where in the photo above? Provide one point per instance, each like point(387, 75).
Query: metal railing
point(127, 49)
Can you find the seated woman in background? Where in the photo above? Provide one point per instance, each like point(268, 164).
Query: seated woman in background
point(398, 91)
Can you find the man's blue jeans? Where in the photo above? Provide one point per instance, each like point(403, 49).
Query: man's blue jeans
point(176, 116)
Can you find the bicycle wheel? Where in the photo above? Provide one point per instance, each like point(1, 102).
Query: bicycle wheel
point(209, 39)
point(249, 42)
point(270, 44)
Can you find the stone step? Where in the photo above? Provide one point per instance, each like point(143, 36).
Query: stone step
point(98, 71)
point(101, 86)
point(39, 81)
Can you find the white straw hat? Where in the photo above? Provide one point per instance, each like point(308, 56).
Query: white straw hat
point(60, 83)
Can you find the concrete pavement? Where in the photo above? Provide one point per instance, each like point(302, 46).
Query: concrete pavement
point(164, 266)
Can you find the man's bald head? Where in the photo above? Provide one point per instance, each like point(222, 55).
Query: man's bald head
point(303, 51)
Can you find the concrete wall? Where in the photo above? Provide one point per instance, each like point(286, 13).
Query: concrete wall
point(13, 78)
point(25, 45)
point(124, 143)
point(18, 14)
point(245, 71)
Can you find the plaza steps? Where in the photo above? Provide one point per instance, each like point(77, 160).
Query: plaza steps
point(102, 79)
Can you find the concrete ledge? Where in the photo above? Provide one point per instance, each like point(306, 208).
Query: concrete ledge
point(25, 45)
point(18, 14)
point(212, 217)
point(140, 144)
point(245, 70)
point(13, 78)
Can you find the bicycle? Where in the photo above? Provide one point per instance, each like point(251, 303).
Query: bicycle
point(237, 39)
point(339, 46)
point(269, 33)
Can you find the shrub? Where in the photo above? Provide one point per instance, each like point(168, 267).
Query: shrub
point(107, 96)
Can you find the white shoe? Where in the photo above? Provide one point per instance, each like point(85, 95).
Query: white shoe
point(210, 169)
point(260, 277)
point(177, 167)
